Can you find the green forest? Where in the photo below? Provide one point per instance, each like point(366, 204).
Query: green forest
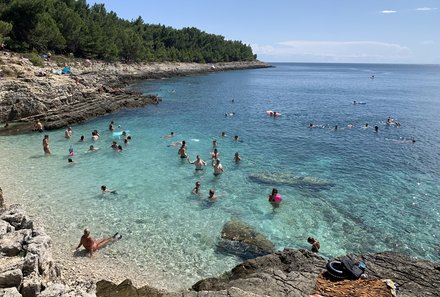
point(72, 27)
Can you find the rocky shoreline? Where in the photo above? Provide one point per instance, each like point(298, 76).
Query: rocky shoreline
point(93, 88)
point(27, 269)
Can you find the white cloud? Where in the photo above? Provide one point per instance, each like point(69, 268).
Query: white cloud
point(426, 8)
point(332, 51)
point(388, 11)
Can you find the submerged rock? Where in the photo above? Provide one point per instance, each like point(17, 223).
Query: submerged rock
point(287, 179)
point(242, 240)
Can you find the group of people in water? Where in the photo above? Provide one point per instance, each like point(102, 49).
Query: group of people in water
point(91, 245)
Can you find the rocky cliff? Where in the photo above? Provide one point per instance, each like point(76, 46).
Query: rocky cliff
point(89, 89)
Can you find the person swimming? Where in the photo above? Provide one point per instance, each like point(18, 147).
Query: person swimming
point(196, 189)
point(211, 196)
point(105, 190)
point(237, 157)
point(169, 135)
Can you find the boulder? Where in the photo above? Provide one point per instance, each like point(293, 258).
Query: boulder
point(31, 286)
point(294, 273)
point(5, 227)
point(11, 244)
point(242, 240)
point(11, 278)
point(16, 216)
point(286, 273)
point(9, 292)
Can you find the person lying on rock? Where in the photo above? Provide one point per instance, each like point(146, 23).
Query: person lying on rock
point(92, 245)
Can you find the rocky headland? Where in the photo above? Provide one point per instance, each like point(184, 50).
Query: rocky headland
point(28, 269)
point(88, 89)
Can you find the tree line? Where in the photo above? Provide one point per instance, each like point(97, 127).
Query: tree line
point(74, 27)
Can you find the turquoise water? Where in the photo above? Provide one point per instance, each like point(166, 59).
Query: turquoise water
point(383, 193)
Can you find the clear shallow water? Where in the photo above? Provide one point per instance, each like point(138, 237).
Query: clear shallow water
point(385, 193)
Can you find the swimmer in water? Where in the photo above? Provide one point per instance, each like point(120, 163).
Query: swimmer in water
point(236, 138)
point(105, 190)
point(68, 133)
point(215, 154)
point(199, 163)
point(214, 143)
point(196, 189)
point(315, 244)
point(223, 133)
point(212, 196)
point(92, 148)
point(81, 139)
point(182, 150)
point(71, 152)
point(218, 168)
point(275, 198)
point(237, 157)
point(169, 135)
point(46, 145)
point(111, 127)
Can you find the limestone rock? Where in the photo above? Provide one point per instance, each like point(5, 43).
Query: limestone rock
point(240, 239)
point(10, 292)
point(414, 277)
point(11, 278)
point(11, 244)
point(16, 216)
point(5, 227)
point(31, 286)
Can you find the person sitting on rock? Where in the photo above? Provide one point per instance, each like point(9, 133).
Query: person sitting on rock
point(92, 245)
point(315, 244)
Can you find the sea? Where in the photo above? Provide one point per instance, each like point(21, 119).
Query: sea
point(355, 189)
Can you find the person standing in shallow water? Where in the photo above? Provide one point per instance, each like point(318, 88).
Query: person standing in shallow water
point(182, 151)
point(275, 198)
point(315, 244)
point(46, 144)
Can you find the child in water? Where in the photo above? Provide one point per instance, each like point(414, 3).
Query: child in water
point(275, 198)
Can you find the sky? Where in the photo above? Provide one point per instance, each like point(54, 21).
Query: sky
point(340, 31)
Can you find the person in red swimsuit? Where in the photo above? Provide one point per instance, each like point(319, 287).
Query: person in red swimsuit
point(92, 245)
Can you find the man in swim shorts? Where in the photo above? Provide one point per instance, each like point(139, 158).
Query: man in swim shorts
point(199, 163)
point(182, 150)
point(218, 168)
point(92, 245)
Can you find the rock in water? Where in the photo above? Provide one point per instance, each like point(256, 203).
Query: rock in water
point(242, 240)
point(287, 179)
